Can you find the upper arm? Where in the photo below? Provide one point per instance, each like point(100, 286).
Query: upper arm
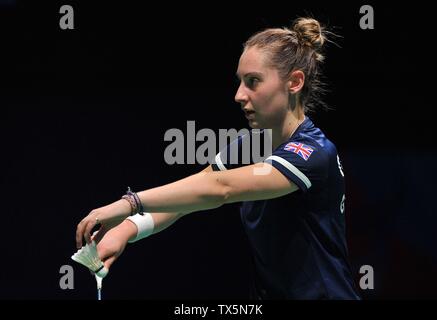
point(208, 169)
point(254, 182)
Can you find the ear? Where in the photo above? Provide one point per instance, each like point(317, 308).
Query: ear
point(296, 81)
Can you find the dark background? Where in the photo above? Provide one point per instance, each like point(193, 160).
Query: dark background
point(84, 112)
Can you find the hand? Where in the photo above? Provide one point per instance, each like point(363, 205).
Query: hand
point(112, 244)
point(108, 217)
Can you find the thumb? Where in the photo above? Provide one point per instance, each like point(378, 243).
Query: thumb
point(106, 255)
point(104, 252)
point(109, 261)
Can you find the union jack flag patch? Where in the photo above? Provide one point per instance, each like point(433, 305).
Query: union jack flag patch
point(301, 149)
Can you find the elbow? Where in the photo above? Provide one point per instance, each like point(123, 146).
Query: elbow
point(224, 192)
point(219, 193)
point(217, 198)
point(221, 197)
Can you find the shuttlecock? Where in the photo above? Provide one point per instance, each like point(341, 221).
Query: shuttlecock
point(87, 256)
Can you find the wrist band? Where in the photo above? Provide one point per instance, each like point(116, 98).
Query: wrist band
point(134, 201)
point(145, 225)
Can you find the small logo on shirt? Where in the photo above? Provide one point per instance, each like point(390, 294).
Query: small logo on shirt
point(301, 149)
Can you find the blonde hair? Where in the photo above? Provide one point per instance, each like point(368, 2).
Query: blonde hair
point(297, 48)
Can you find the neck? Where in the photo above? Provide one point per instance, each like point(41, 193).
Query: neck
point(286, 129)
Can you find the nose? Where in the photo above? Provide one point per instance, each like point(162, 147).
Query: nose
point(241, 96)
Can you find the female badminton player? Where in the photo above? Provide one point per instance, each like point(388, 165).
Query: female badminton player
point(293, 213)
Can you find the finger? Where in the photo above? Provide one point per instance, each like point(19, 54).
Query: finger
point(88, 228)
point(93, 236)
point(98, 235)
point(79, 234)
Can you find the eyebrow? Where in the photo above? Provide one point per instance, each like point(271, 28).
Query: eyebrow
point(257, 74)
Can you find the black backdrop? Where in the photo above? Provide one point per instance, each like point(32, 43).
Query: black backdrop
point(84, 112)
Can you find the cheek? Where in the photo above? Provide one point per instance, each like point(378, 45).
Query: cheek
point(273, 103)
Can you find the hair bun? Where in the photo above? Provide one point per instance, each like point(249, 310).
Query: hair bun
point(310, 32)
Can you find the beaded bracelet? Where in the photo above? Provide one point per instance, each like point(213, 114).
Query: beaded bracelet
point(134, 201)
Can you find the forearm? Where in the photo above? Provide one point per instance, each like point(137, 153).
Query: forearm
point(161, 221)
point(201, 191)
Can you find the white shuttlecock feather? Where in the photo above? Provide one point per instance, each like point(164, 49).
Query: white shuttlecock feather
point(87, 256)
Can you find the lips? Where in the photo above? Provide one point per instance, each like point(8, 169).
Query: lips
point(249, 114)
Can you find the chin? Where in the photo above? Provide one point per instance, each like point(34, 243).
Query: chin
point(254, 125)
point(257, 125)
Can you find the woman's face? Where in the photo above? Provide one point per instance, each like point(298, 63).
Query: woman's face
point(262, 94)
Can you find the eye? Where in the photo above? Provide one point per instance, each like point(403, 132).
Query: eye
point(252, 82)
